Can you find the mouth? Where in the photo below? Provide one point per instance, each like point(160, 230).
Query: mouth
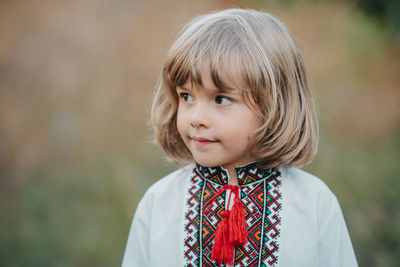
point(201, 141)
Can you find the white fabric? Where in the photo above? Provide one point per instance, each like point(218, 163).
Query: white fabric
point(313, 230)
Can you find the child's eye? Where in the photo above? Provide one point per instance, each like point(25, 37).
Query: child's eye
point(223, 100)
point(186, 97)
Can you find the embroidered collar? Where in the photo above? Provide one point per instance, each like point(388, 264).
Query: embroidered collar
point(246, 174)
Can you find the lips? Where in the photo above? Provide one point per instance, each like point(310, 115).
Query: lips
point(201, 141)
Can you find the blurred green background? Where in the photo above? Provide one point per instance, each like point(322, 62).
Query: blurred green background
point(76, 80)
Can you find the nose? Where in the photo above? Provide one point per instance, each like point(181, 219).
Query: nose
point(200, 116)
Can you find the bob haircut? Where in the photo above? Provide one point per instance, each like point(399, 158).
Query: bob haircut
point(254, 52)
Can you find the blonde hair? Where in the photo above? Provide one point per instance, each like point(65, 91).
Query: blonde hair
point(255, 53)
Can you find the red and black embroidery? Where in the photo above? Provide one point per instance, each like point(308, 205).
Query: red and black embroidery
point(261, 198)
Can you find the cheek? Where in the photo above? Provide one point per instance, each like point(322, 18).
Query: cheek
point(180, 121)
point(253, 135)
point(252, 122)
point(258, 123)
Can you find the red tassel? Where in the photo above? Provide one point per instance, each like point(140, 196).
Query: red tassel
point(223, 250)
point(237, 223)
point(231, 231)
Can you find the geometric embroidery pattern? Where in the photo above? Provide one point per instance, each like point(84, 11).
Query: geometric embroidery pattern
point(261, 198)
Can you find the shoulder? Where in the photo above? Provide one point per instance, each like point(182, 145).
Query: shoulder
point(299, 186)
point(303, 181)
point(308, 204)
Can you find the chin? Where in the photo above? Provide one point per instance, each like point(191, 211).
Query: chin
point(207, 163)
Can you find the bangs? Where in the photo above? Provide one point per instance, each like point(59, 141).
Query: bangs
point(225, 47)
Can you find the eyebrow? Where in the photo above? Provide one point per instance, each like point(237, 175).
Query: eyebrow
point(218, 90)
point(224, 90)
point(183, 88)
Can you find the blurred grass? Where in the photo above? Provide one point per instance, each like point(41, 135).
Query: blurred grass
point(74, 215)
point(76, 80)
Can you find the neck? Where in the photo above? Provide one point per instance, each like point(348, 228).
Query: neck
point(233, 180)
point(240, 175)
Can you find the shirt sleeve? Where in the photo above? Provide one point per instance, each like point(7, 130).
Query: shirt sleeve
point(137, 248)
point(335, 248)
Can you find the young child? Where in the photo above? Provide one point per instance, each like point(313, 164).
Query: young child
point(234, 104)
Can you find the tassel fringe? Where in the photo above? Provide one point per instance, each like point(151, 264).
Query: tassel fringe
point(237, 224)
point(231, 231)
point(223, 250)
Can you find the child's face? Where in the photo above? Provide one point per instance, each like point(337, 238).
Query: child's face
point(217, 127)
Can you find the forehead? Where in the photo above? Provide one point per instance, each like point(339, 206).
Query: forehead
point(221, 76)
point(205, 80)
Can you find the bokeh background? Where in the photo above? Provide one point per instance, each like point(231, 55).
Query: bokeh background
point(76, 80)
